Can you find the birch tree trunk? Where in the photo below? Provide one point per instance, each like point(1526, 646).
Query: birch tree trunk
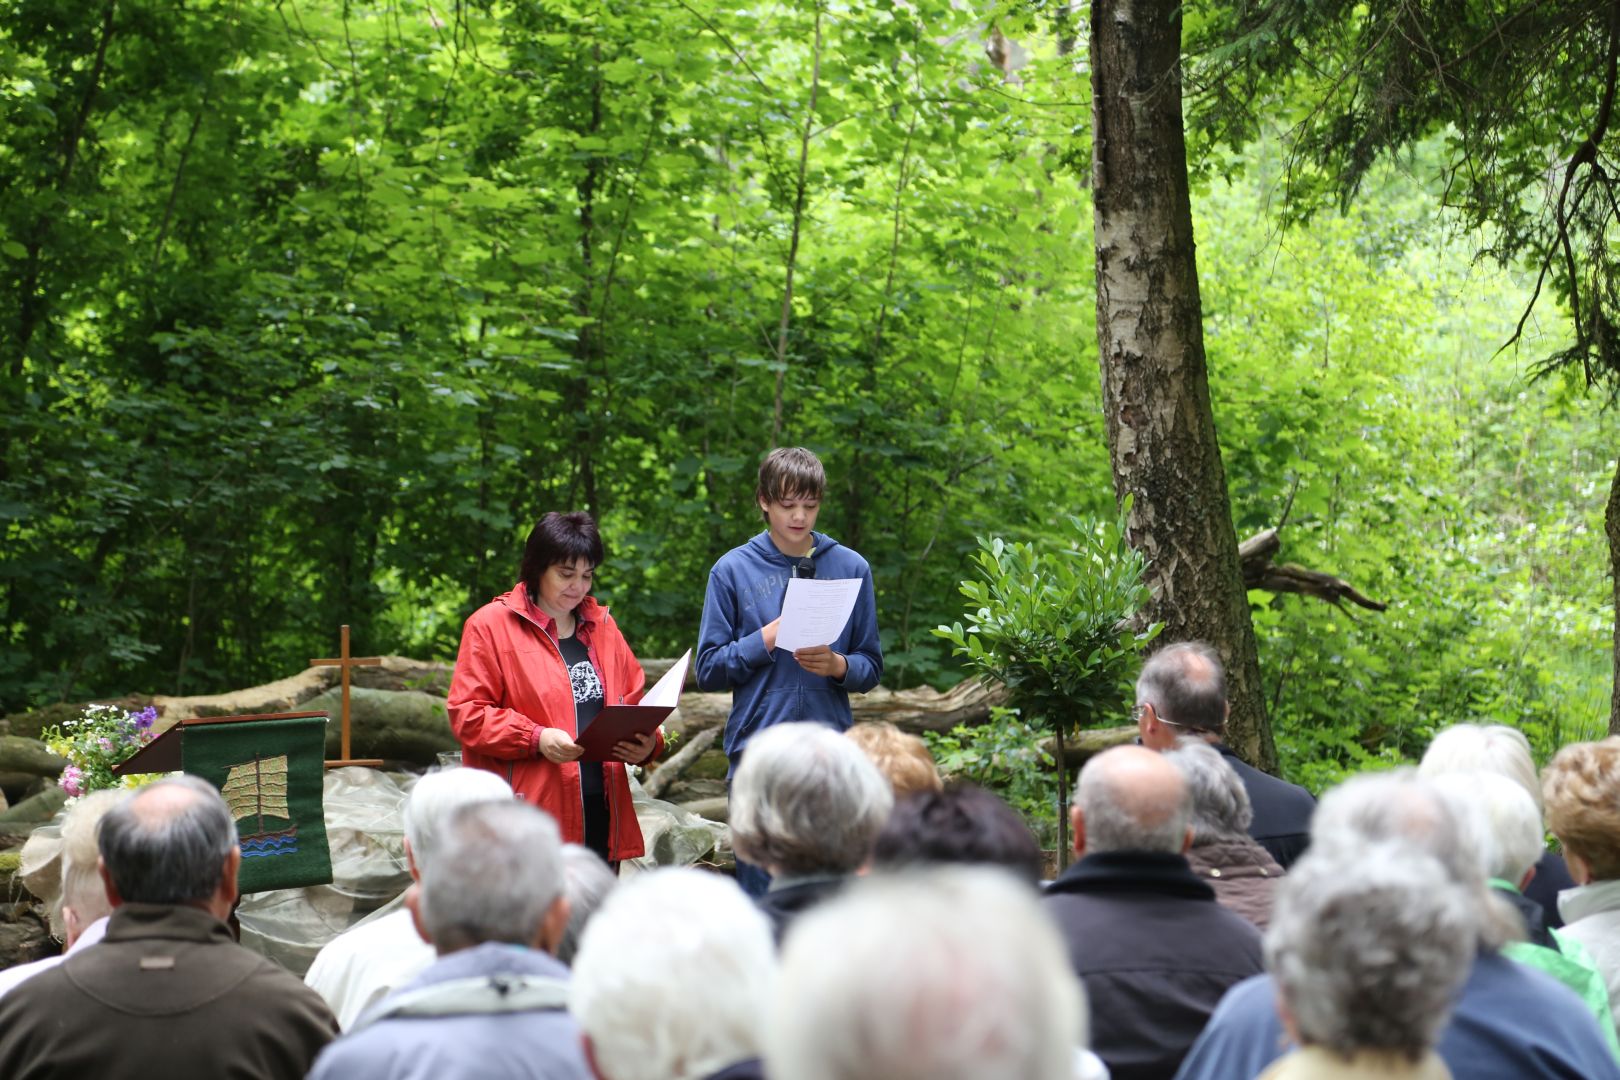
point(1161, 430)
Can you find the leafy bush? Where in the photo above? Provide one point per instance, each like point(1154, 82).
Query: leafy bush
point(1004, 756)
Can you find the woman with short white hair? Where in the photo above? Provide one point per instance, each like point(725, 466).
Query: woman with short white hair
point(1368, 953)
point(1503, 750)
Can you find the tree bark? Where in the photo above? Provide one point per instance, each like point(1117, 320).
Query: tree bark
point(1161, 428)
point(1611, 526)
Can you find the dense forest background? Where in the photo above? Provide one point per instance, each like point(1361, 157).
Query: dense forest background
point(308, 309)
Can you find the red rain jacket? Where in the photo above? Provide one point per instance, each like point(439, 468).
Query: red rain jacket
point(510, 681)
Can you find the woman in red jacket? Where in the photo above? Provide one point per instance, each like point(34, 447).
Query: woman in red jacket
point(535, 666)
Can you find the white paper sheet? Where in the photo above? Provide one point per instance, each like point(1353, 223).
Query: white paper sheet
point(815, 611)
point(666, 692)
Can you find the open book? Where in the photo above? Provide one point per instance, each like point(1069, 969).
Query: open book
point(615, 723)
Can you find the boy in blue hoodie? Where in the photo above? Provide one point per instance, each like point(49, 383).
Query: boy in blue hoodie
point(743, 608)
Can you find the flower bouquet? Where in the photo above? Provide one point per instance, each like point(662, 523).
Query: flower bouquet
point(101, 739)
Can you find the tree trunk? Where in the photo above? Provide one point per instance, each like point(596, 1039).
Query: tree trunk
point(1611, 526)
point(1161, 430)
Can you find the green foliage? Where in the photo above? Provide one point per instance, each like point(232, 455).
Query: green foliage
point(1005, 756)
point(1055, 627)
point(307, 312)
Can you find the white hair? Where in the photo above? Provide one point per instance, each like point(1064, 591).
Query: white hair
point(806, 800)
point(1403, 808)
point(1368, 952)
point(493, 875)
point(587, 880)
point(1220, 803)
point(672, 977)
point(1493, 748)
point(82, 887)
point(1513, 841)
point(954, 973)
point(438, 795)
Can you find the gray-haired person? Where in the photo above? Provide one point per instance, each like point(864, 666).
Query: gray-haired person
point(1181, 693)
point(370, 960)
point(492, 1006)
point(806, 805)
point(673, 978)
point(1242, 873)
point(1146, 936)
point(954, 973)
point(1510, 1022)
point(168, 991)
point(1367, 952)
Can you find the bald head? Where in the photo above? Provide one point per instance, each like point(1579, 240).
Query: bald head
point(172, 842)
point(1131, 799)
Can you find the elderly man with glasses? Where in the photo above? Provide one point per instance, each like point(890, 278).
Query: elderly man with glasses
point(1181, 694)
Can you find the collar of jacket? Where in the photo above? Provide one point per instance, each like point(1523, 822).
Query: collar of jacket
point(173, 922)
point(1239, 857)
point(586, 616)
point(765, 547)
point(1133, 871)
point(1593, 899)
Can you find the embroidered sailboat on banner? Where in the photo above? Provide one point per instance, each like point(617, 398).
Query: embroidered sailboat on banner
point(256, 789)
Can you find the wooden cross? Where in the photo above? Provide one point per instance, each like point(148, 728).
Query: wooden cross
point(343, 663)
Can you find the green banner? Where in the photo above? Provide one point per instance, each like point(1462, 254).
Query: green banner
point(271, 773)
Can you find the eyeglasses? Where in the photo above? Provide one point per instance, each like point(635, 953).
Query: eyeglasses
point(1136, 716)
point(805, 567)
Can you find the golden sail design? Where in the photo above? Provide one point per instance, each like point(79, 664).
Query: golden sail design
point(254, 789)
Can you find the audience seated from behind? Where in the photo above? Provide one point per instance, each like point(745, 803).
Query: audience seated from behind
point(1582, 789)
point(806, 804)
point(1509, 1023)
point(167, 991)
point(493, 1005)
point(1146, 936)
point(365, 963)
point(81, 917)
point(1367, 953)
point(961, 824)
point(1503, 750)
point(953, 973)
point(902, 758)
point(1242, 873)
point(672, 980)
point(1510, 841)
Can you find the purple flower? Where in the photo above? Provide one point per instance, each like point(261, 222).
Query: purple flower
point(73, 781)
point(104, 742)
point(145, 718)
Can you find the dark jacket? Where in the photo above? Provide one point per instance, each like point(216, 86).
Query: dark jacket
point(1552, 877)
point(1282, 811)
point(167, 993)
point(752, 1069)
point(1242, 873)
point(746, 590)
point(1155, 952)
point(788, 898)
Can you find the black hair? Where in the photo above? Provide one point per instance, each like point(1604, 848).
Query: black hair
point(962, 824)
point(559, 538)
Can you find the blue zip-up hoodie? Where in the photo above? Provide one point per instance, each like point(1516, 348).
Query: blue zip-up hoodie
point(746, 589)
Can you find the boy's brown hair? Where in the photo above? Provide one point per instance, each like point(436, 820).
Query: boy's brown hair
point(790, 472)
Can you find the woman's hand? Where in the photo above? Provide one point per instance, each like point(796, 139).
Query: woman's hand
point(635, 751)
point(557, 747)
